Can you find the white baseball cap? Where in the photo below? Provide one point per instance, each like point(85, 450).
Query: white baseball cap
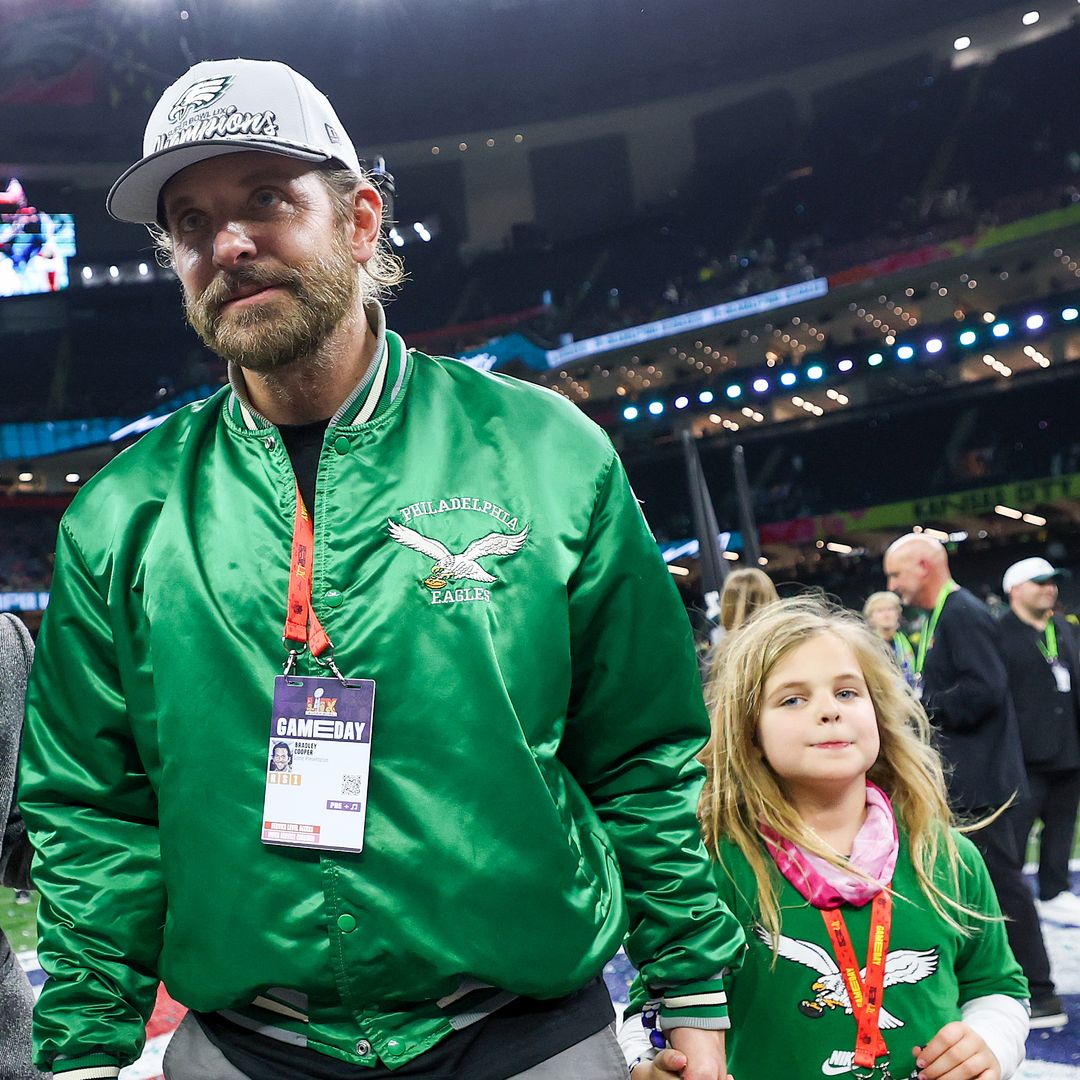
point(1034, 569)
point(222, 107)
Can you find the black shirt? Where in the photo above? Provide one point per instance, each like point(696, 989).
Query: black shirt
point(304, 443)
point(511, 1040)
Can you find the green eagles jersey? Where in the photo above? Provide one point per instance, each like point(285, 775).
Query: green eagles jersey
point(533, 787)
point(795, 1019)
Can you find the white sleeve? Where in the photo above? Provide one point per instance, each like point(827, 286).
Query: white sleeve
point(1002, 1022)
point(634, 1040)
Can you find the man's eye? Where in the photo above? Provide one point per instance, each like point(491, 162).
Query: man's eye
point(189, 221)
point(265, 198)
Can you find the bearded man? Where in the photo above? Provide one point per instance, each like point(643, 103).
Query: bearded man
point(486, 679)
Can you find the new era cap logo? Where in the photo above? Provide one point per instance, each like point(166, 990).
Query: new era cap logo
point(331, 134)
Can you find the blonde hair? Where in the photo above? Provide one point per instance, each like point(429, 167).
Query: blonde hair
point(742, 790)
point(878, 598)
point(743, 593)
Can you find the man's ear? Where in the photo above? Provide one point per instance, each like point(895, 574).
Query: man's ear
point(367, 222)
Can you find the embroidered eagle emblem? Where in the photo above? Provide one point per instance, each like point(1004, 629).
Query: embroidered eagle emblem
point(448, 566)
point(198, 95)
point(901, 966)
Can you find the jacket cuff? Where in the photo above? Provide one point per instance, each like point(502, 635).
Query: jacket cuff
point(86, 1067)
point(696, 1005)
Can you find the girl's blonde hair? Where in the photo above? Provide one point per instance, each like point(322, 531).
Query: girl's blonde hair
point(742, 790)
point(743, 593)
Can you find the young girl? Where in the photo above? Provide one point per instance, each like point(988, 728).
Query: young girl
point(875, 945)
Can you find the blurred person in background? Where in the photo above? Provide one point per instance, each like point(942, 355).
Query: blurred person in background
point(883, 611)
point(744, 592)
point(961, 680)
point(1042, 659)
point(16, 997)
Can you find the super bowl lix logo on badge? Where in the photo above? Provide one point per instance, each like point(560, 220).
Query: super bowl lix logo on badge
point(457, 576)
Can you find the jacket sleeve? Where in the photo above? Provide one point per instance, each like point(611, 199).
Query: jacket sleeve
point(635, 723)
point(979, 681)
point(92, 818)
point(15, 658)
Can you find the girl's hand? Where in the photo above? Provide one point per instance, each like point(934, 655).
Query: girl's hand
point(667, 1064)
point(956, 1052)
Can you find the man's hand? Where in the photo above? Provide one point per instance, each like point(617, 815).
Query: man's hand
point(703, 1051)
point(957, 1052)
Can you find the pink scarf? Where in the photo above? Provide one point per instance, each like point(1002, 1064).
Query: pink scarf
point(873, 853)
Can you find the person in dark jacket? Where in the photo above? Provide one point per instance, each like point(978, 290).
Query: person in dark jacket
point(1042, 658)
point(961, 680)
point(16, 998)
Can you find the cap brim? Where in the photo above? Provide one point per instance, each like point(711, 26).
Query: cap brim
point(1043, 578)
point(134, 197)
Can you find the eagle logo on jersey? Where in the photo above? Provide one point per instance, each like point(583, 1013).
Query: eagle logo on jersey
point(451, 567)
point(198, 95)
point(901, 966)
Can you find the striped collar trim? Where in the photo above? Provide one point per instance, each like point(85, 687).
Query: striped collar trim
point(374, 394)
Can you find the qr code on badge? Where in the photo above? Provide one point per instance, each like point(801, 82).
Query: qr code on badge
point(351, 785)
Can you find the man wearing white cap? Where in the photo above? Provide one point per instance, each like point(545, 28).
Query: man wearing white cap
point(1042, 659)
point(486, 679)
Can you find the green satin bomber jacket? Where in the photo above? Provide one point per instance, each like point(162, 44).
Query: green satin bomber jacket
point(533, 787)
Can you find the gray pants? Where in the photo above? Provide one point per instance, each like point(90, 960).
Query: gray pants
point(192, 1056)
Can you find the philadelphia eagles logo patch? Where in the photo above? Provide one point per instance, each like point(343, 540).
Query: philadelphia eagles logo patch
point(198, 95)
point(456, 576)
point(829, 990)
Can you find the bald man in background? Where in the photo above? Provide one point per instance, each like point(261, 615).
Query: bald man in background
point(961, 680)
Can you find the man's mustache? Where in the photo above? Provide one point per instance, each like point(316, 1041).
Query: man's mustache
point(225, 285)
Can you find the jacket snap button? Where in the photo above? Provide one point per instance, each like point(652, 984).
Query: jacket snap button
point(333, 598)
point(342, 444)
point(363, 1048)
point(395, 1047)
point(346, 923)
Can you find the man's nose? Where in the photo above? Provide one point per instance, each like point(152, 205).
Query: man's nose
point(232, 246)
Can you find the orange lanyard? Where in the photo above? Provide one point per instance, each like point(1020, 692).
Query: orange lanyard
point(302, 625)
point(865, 994)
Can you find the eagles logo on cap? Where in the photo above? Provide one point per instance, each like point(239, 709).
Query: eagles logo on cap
point(199, 95)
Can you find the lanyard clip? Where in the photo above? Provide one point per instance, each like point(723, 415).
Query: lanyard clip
point(329, 663)
point(290, 660)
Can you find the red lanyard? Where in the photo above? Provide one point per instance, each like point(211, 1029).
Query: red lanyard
point(865, 995)
point(302, 625)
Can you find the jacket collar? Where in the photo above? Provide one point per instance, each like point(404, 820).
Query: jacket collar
point(376, 391)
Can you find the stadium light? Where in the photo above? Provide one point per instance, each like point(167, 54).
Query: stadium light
point(1034, 322)
point(681, 402)
point(630, 412)
point(789, 378)
point(815, 372)
point(87, 273)
point(734, 391)
point(679, 571)
point(961, 43)
point(114, 272)
point(905, 352)
point(874, 359)
point(761, 385)
point(968, 337)
point(1009, 512)
point(935, 345)
point(839, 549)
point(144, 270)
point(73, 478)
point(1069, 314)
point(1034, 519)
point(706, 397)
point(1001, 330)
point(656, 407)
point(1030, 18)
point(25, 477)
point(845, 365)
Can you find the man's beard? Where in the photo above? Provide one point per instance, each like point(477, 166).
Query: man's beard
point(270, 335)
